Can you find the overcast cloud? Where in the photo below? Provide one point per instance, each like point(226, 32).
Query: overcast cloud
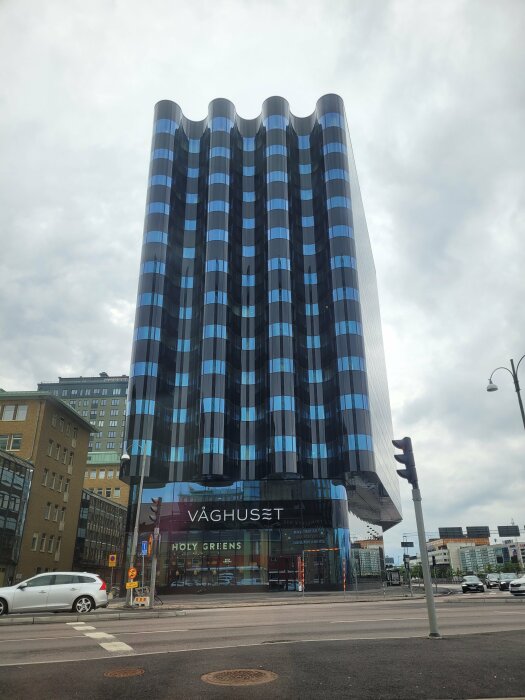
point(434, 93)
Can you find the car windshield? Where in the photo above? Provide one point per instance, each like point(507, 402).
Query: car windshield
point(471, 579)
point(508, 577)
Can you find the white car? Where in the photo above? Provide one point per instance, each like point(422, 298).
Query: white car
point(56, 590)
point(517, 587)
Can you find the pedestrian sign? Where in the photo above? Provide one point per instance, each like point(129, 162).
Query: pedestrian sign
point(144, 548)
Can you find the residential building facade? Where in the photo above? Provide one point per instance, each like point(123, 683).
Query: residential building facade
point(15, 486)
point(40, 428)
point(258, 403)
point(102, 401)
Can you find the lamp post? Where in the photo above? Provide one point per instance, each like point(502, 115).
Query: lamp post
point(134, 542)
point(514, 374)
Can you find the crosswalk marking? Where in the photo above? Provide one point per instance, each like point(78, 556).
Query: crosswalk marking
point(110, 642)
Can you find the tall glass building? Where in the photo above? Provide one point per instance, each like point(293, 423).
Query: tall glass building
point(258, 389)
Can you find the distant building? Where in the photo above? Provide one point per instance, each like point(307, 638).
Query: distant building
point(102, 401)
point(368, 557)
point(101, 528)
point(40, 428)
point(15, 485)
point(482, 557)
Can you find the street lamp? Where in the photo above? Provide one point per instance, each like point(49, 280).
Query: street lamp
point(514, 374)
point(125, 459)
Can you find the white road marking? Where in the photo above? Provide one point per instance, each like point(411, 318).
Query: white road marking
point(99, 635)
point(82, 629)
point(116, 646)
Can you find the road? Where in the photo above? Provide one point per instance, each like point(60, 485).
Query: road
point(373, 649)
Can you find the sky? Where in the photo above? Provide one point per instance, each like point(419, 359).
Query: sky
point(435, 100)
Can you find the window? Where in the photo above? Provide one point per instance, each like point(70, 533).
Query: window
point(64, 455)
point(248, 413)
point(279, 295)
point(113, 412)
point(306, 195)
point(305, 168)
point(277, 176)
point(247, 377)
point(192, 198)
point(282, 403)
point(278, 232)
point(43, 542)
point(217, 265)
point(281, 364)
point(318, 450)
point(247, 452)
point(149, 299)
point(183, 344)
point(310, 277)
point(317, 412)
point(51, 545)
point(248, 170)
point(341, 293)
point(311, 309)
point(313, 341)
point(93, 474)
point(277, 329)
point(180, 415)
point(284, 443)
point(248, 343)
point(248, 196)
point(342, 261)
point(47, 511)
point(336, 174)
point(193, 173)
point(50, 449)
point(34, 541)
point(308, 248)
point(348, 401)
point(276, 150)
point(332, 119)
point(278, 264)
point(185, 312)
point(156, 237)
point(220, 152)
point(248, 251)
point(152, 266)
point(213, 445)
point(188, 253)
point(160, 180)
point(214, 367)
point(213, 405)
point(177, 454)
point(277, 204)
point(217, 234)
point(315, 376)
point(248, 311)
point(307, 221)
point(113, 433)
point(162, 153)
point(140, 369)
point(214, 331)
point(182, 379)
point(248, 280)
point(14, 412)
point(215, 297)
point(218, 205)
point(116, 492)
point(348, 327)
point(55, 514)
point(352, 362)
point(107, 493)
point(275, 121)
point(4, 441)
point(360, 442)
point(101, 473)
point(334, 147)
point(16, 442)
point(158, 208)
point(219, 179)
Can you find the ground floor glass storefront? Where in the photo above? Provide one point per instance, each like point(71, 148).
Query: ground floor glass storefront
point(275, 535)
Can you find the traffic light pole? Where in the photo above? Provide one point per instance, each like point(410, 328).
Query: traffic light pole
point(410, 474)
point(432, 619)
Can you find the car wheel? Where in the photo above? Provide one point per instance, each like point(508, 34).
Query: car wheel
point(3, 607)
point(83, 604)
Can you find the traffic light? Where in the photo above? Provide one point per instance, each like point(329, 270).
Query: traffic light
point(155, 510)
point(407, 458)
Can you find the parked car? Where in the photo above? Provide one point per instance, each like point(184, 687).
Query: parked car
point(517, 586)
point(472, 584)
point(57, 590)
point(492, 580)
point(505, 580)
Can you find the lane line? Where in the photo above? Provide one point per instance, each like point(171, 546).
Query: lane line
point(117, 646)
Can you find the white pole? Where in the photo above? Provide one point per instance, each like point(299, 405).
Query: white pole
point(134, 541)
point(432, 620)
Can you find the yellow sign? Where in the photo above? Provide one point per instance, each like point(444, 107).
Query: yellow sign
point(132, 573)
point(132, 584)
point(112, 560)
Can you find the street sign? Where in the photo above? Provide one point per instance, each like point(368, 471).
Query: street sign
point(150, 544)
point(112, 560)
point(132, 584)
point(132, 573)
point(407, 544)
point(144, 548)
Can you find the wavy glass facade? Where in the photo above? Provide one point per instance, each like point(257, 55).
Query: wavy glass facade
point(257, 373)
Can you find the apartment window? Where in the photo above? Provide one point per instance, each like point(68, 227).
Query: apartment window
point(110, 473)
point(47, 511)
point(64, 456)
point(113, 412)
point(108, 493)
point(55, 514)
point(116, 492)
point(112, 434)
point(57, 453)
point(14, 412)
point(16, 442)
point(44, 477)
point(99, 492)
point(116, 392)
point(66, 486)
point(4, 440)
point(101, 424)
point(113, 423)
point(97, 446)
point(43, 542)
point(53, 478)
point(61, 424)
point(34, 541)
point(71, 458)
point(51, 545)
point(93, 474)
point(54, 420)
point(101, 473)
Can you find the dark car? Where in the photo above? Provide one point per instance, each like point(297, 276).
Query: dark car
point(505, 580)
point(472, 584)
point(492, 580)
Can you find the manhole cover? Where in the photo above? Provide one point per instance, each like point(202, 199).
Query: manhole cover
point(124, 672)
point(239, 676)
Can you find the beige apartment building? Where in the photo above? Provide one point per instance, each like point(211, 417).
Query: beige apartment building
point(40, 428)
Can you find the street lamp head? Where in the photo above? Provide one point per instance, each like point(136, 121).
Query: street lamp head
point(491, 386)
point(125, 458)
